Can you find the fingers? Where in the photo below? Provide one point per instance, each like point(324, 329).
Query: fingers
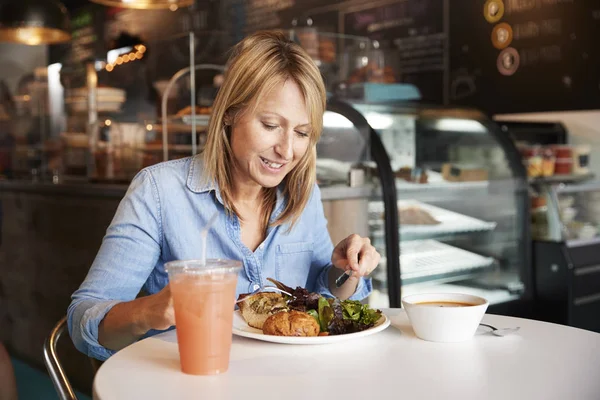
point(339, 257)
point(362, 257)
point(369, 260)
point(356, 253)
point(354, 245)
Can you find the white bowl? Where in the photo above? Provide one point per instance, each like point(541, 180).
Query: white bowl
point(444, 324)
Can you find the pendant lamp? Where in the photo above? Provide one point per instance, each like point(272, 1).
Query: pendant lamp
point(34, 22)
point(146, 4)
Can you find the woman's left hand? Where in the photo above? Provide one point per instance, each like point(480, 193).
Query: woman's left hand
point(356, 253)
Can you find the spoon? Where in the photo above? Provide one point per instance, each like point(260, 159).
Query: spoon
point(260, 290)
point(502, 331)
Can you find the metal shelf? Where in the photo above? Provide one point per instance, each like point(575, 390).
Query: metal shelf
point(561, 178)
point(450, 222)
point(404, 186)
point(430, 260)
point(583, 242)
point(434, 190)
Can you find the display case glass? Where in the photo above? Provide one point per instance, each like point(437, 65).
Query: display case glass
point(567, 212)
point(461, 201)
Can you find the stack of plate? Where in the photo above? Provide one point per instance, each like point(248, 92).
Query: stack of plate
point(109, 99)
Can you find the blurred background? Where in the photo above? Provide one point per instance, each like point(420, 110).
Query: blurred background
point(475, 169)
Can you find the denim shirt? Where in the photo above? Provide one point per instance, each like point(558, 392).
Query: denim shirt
point(160, 219)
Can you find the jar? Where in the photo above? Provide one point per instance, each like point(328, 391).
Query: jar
point(308, 36)
point(533, 160)
point(548, 162)
point(327, 48)
point(353, 68)
point(563, 166)
point(105, 146)
point(538, 202)
point(563, 151)
point(379, 69)
point(581, 159)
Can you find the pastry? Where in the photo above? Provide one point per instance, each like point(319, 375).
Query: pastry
point(293, 323)
point(416, 216)
point(258, 307)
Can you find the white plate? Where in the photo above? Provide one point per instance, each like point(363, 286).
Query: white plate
point(241, 328)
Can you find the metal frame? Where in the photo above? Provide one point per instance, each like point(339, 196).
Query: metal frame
point(522, 194)
point(388, 189)
point(55, 370)
point(178, 75)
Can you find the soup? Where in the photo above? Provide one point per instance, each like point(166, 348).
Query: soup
point(445, 304)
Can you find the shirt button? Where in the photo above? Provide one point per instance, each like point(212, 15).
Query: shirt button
point(262, 246)
point(256, 287)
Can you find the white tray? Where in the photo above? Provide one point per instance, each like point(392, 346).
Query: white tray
point(432, 259)
point(450, 222)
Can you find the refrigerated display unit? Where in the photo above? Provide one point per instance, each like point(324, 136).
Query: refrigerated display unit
point(566, 254)
point(449, 207)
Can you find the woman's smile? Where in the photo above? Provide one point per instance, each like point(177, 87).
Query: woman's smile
point(271, 165)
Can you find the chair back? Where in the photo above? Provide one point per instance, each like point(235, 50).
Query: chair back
point(55, 370)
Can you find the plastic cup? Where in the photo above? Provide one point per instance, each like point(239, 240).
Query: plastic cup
point(203, 299)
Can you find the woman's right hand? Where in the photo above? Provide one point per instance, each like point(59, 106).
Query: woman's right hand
point(159, 310)
point(126, 322)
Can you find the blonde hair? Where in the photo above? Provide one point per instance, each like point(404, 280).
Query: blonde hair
point(257, 65)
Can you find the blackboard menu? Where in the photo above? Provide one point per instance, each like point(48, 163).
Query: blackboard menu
point(87, 44)
point(525, 55)
point(87, 25)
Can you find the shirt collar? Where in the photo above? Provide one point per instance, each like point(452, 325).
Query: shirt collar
point(195, 181)
point(197, 184)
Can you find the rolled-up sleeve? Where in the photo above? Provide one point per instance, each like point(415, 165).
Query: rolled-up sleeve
point(129, 252)
point(323, 249)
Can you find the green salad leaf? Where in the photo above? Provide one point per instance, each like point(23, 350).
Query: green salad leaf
point(359, 313)
point(314, 314)
point(325, 314)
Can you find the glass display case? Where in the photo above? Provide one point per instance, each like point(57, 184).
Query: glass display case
point(461, 202)
point(566, 212)
point(109, 108)
point(566, 253)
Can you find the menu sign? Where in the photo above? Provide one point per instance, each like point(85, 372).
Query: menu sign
point(526, 55)
point(86, 44)
point(87, 39)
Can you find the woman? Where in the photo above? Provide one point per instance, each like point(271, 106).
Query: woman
point(258, 172)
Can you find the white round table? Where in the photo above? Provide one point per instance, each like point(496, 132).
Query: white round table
point(542, 361)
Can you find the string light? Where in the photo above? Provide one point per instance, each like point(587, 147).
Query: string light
point(126, 58)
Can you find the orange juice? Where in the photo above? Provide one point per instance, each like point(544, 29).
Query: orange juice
point(203, 306)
